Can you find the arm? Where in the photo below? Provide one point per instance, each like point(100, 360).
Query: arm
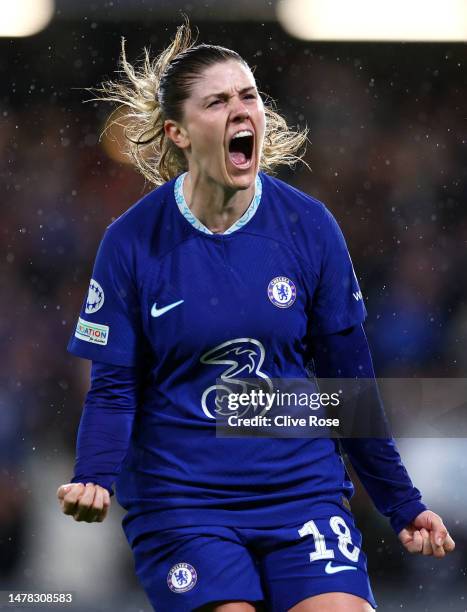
point(108, 332)
point(103, 440)
point(377, 460)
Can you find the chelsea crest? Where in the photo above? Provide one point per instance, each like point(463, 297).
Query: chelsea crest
point(282, 292)
point(181, 578)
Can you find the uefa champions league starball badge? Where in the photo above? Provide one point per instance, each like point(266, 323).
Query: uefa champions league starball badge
point(181, 578)
point(95, 299)
point(282, 292)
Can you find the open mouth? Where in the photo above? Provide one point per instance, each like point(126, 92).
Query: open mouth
point(241, 148)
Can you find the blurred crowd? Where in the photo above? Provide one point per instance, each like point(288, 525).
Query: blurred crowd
point(386, 155)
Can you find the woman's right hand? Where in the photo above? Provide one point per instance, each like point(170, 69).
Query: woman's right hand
point(88, 502)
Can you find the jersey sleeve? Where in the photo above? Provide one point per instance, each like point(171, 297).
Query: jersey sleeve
point(109, 326)
point(337, 302)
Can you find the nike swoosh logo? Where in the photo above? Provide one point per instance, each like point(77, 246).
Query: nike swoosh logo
point(158, 312)
point(333, 569)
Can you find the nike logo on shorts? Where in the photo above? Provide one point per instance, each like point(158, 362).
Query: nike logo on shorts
point(158, 312)
point(333, 569)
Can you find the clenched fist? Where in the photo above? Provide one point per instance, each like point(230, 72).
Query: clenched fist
point(88, 503)
point(427, 535)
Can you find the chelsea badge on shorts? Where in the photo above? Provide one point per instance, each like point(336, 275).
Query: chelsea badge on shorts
point(181, 578)
point(282, 292)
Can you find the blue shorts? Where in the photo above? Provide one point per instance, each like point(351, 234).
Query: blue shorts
point(182, 569)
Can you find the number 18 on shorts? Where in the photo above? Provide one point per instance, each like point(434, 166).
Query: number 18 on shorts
point(327, 557)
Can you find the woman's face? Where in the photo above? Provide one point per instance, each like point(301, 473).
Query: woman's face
point(223, 125)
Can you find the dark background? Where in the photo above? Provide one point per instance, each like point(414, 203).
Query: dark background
point(387, 156)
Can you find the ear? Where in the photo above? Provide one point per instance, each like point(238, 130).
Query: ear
point(177, 133)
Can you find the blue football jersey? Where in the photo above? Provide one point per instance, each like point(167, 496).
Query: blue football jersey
point(187, 305)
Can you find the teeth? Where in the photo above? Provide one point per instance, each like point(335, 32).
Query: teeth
point(242, 134)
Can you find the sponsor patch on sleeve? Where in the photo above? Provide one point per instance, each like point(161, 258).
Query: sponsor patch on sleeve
point(92, 332)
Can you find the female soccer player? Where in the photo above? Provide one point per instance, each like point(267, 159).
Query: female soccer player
point(219, 271)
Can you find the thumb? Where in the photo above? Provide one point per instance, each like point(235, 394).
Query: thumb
point(440, 532)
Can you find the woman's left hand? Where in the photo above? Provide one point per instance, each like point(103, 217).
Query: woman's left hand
point(427, 535)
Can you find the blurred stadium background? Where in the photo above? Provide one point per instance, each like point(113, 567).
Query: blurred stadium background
point(388, 137)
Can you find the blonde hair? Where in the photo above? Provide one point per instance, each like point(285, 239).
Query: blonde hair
point(155, 90)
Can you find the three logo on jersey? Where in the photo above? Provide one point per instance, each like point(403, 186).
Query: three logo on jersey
point(244, 358)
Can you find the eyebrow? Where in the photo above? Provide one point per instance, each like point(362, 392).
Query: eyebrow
point(223, 94)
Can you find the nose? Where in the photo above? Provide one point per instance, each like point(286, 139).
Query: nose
point(239, 110)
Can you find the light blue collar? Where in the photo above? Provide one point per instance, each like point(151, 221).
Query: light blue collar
point(196, 223)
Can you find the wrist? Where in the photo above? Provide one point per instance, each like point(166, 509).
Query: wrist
point(406, 514)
